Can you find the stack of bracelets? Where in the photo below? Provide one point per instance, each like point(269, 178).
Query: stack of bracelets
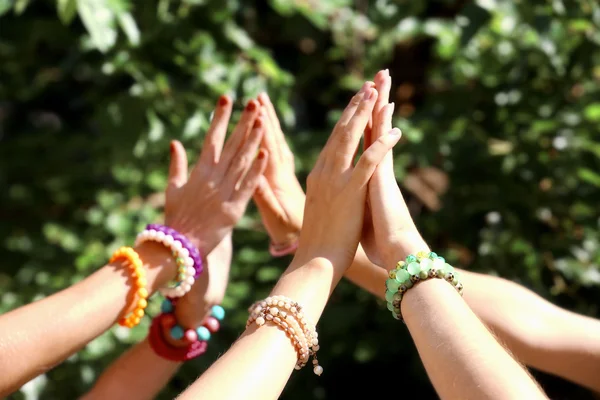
point(189, 268)
point(287, 315)
point(411, 271)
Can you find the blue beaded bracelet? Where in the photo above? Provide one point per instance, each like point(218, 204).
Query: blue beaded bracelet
point(203, 332)
point(412, 270)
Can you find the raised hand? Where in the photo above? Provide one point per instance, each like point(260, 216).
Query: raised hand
point(206, 206)
point(389, 233)
point(279, 196)
point(336, 190)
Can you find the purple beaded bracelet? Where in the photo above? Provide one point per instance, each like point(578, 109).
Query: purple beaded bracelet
point(185, 242)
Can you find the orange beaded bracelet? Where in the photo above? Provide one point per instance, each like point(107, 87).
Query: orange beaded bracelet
point(136, 267)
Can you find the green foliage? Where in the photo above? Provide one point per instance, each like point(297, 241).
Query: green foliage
point(502, 96)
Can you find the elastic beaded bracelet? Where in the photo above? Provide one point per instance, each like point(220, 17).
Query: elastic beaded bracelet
point(193, 251)
point(412, 270)
point(163, 349)
point(287, 315)
point(186, 264)
point(138, 273)
point(203, 332)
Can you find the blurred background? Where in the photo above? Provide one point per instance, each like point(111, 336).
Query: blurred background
point(499, 102)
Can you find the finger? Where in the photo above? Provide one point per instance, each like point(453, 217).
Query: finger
point(269, 141)
point(351, 108)
point(178, 167)
point(383, 84)
point(371, 158)
point(347, 140)
point(283, 147)
point(237, 138)
point(215, 136)
point(265, 199)
point(250, 181)
point(384, 121)
point(244, 157)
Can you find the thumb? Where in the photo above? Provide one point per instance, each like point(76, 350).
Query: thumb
point(178, 167)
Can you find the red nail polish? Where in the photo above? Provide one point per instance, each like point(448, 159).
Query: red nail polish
point(261, 155)
point(223, 100)
point(257, 123)
point(251, 106)
point(172, 147)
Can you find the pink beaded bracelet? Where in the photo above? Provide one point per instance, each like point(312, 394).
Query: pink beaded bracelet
point(172, 353)
point(283, 250)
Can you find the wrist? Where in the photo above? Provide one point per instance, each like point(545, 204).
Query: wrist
point(159, 262)
point(427, 294)
point(399, 250)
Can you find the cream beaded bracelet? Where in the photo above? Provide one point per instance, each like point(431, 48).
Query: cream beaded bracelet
point(185, 263)
point(287, 315)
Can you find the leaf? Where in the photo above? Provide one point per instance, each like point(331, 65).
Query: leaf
point(5, 6)
point(21, 6)
point(66, 10)
point(130, 28)
point(592, 112)
point(589, 176)
point(98, 20)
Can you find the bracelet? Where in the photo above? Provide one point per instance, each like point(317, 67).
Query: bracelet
point(280, 250)
point(189, 264)
point(414, 269)
point(163, 349)
point(201, 333)
point(138, 273)
point(287, 315)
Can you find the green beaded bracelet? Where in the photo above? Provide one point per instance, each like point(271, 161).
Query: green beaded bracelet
point(414, 269)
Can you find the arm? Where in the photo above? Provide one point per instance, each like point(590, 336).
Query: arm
point(139, 374)
point(450, 338)
point(537, 332)
point(36, 337)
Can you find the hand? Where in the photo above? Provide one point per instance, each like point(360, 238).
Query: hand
point(337, 190)
point(279, 196)
point(206, 206)
point(389, 233)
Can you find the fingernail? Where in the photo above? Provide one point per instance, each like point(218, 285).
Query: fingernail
point(395, 132)
point(368, 94)
point(257, 123)
point(251, 105)
point(223, 100)
point(392, 107)
point(261, 154)
point(172, 147)
point(387, 72)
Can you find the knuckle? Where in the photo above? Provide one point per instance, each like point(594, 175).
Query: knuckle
point(230, 212)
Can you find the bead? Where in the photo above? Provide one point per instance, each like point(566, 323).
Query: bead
point(318, 370)
point(203, 333)
point(389, 295)
point(414, 278)
point(455, 281)
point(191, 335)
point(260, 321)
point(442, 258)
point(142, 303)
point(449, 276)
point(186, 287)
point(392, 274)
point(426, 264)
point(402, 276)
point(160, 236)
point(191, 271)
point(438, 264)
point(408, 284)
point(400, 264)
point(421, 254)
point(176, 245)
point(176, 332)
point(432, 255)
point(283, 314)
point(189, 262)
point(392, 284)
point(402, 289)
point(397, 310)
point(166, 306)
point(413, 268)
point(212, 324)
point(143, 293)
point(190, 280)
point(138, 313)
point(168, 241)
point(218, 312)
point(141, 282)
point(397, 297)
point(135, 321)
point(273, 311)
point(269, 317)
point(390, 306)
point(410, 258)
point(423, 275)
point(432, 273)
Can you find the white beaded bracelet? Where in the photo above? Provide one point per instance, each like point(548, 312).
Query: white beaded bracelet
point(185, 263)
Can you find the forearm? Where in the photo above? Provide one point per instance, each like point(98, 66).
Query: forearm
point(259, 364)
point(538, 333)
point(138, 374)
point(36, 337)
point(463, 360)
